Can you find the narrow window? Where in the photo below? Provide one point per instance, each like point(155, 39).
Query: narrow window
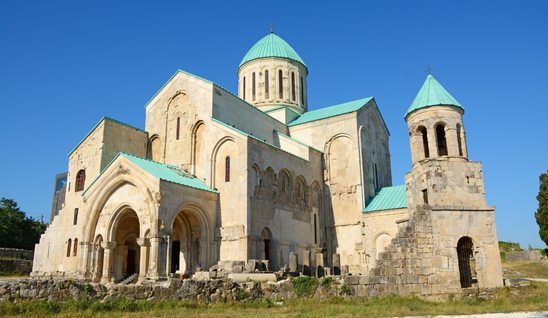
point(424, 134)
point(440, 138)
point(292, 86)
point(69, 245)
point(266, 85)
point(425, 196)
point(244, 88)
point(376, 178)
point(253, 86)
point(177, 129)
point(227, 169)
point(315, 230)
point(75, 219)
point(75, 250)
point(459, 140)
point(302, 91)
point(280, 84)
point(80, 180)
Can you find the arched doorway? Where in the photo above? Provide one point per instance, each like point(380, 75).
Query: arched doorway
point(127, 251)
point(465, 253)
point(187, 253)
point(266, 237)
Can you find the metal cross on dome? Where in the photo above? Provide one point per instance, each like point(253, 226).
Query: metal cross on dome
point(271, 27)
point(429, 70)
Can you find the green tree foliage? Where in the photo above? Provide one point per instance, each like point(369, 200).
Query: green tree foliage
point(542, 212)
point(16, 229)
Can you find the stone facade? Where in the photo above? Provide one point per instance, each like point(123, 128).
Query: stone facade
point(218, 181)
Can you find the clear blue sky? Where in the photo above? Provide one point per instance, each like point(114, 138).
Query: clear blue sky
point(64, 65)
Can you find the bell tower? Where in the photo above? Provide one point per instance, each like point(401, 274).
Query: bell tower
point(446, 188)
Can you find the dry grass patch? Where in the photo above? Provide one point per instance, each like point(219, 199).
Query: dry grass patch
point(531, 269)
point(531, 298)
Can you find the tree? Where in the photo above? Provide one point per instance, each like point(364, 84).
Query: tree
point(16, 229)
point(542, 212)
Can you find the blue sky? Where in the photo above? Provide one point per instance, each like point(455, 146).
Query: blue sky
point(64, 65)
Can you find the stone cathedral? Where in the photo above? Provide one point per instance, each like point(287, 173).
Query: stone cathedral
point(219, 180)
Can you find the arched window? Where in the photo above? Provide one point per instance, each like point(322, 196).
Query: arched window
point(69, 245)
point(178, 128)
point(153, 150)
point(459, 140)
point(244, 88)
point(80, 180)
point(440, 139)
point(266, 85)
point(253, 86)
point(376, 177)
point(227, 169)
point(75, 249)
point(280, 84)
point(75, 219)
point(424, 134)
point(292, 86)
point(467, 268)
point(302, 91)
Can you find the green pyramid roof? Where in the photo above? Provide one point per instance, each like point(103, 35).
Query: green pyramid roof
point(271, 46)
point(432, 94)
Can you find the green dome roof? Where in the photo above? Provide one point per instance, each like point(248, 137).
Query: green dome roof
point(271, 46)
point(432, 94)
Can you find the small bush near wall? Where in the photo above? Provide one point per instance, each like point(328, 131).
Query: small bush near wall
point(304, 286)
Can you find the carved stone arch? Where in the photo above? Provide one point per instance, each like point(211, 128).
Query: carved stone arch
point(440, 130)
point(301, 192)
point(285, 185)
point(382, 241)
point(153, 148)
point(214, 159)
point(315, 195)
point(110, 184)
point(330, 156)
point(256, 176)
point(199, 212)
point(115, 219)
point(197, 132)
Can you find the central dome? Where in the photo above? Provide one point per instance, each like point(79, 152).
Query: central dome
point(271, 46)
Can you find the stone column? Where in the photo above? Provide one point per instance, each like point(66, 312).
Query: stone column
point(107, 260)
point(319, 264)
point(451, 140)
point(86, 251)
point(154, 254)
point(144, 244)
point(168, 255)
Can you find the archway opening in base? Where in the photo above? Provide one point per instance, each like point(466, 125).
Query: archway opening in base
point(127, 252)
point(465, 253)
point(186, 248)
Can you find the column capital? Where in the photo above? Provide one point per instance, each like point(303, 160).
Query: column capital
point(143, 241)
point(108, 245)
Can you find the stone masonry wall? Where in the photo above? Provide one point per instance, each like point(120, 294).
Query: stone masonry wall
point(406, 266)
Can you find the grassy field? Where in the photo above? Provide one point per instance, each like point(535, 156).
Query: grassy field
point(530, 269)
point(531, 298)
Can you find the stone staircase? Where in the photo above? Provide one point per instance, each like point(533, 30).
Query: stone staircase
point(129, 280)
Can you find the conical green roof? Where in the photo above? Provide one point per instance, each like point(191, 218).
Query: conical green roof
point(432, 94)
point(271, 46)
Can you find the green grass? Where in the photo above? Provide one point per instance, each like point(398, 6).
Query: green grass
point(530, 269)
point(531, 298)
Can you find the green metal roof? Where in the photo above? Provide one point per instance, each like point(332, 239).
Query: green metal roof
point(167, 172)
point(432, 94)
point(388, 198)
point(160, 171)
point(330, 111)
point(271, 46)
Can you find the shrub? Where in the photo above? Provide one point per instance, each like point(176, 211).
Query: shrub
point(304, 286)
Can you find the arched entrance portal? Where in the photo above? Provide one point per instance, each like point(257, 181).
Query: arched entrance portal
point(188, 244)
point(467, 268)
point(266, 236)
point(127, 252)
